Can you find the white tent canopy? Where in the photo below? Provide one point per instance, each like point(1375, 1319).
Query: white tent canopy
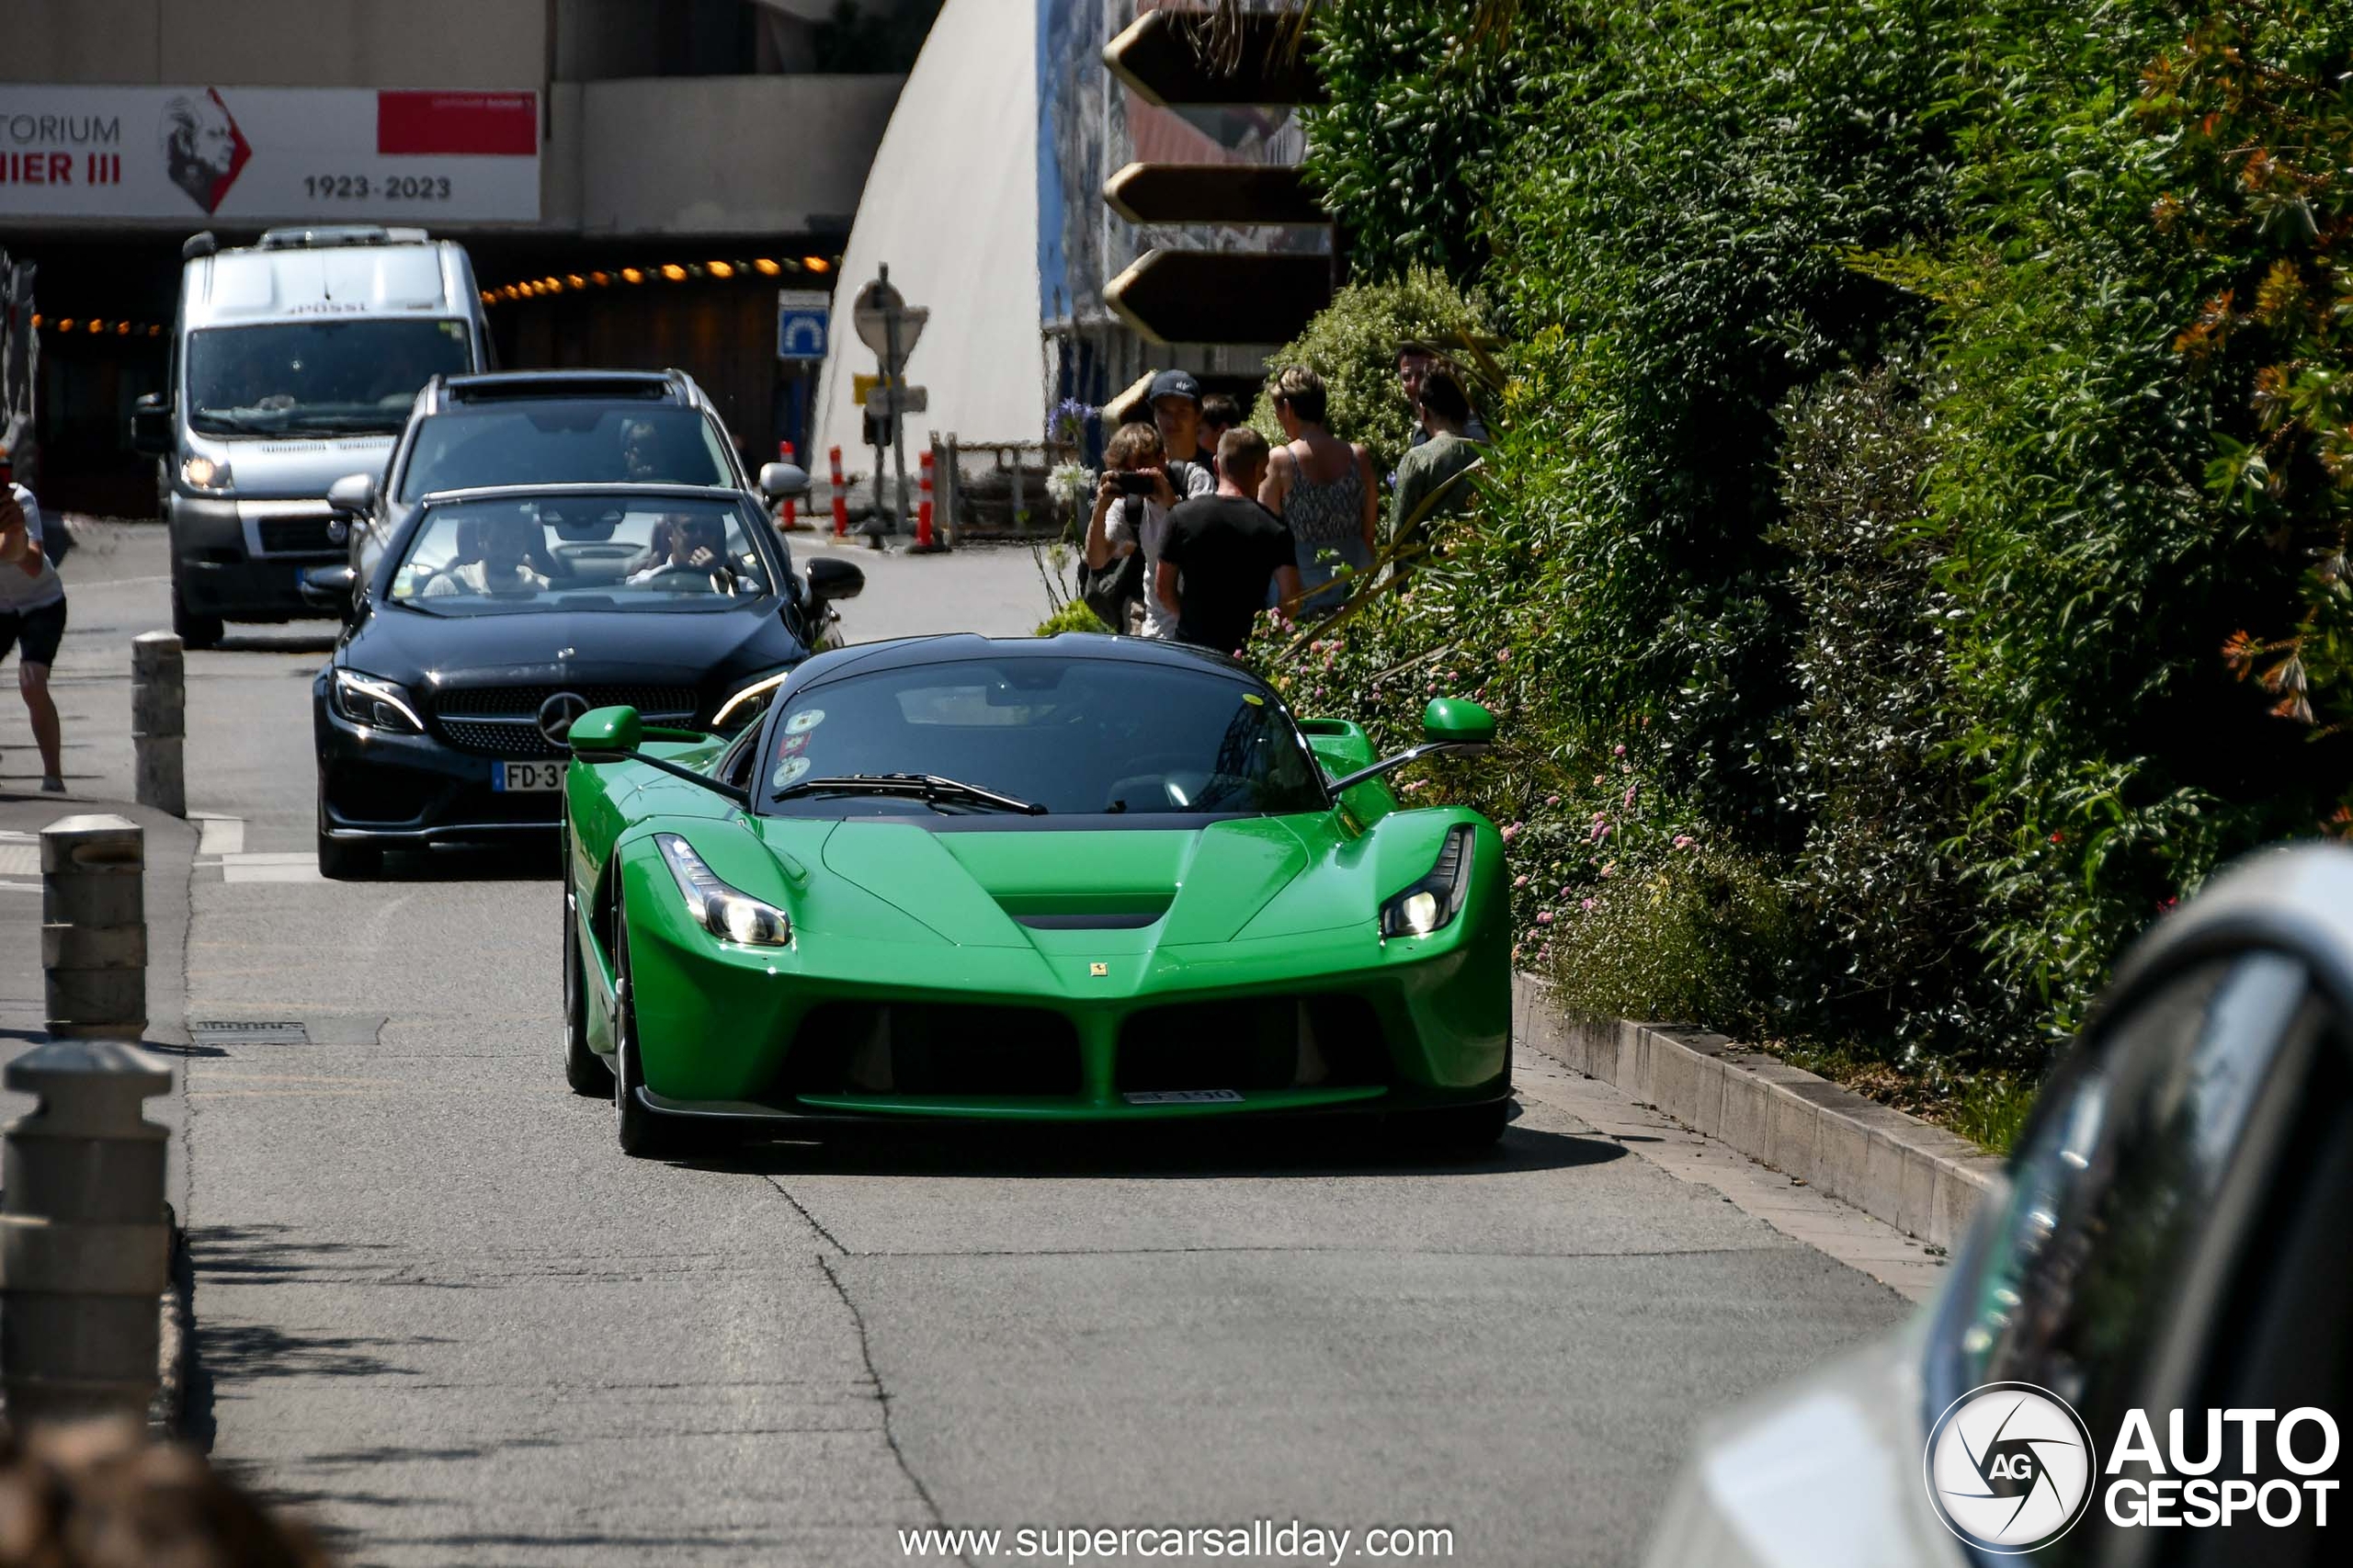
point(951, 206)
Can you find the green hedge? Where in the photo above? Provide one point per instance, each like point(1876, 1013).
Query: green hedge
point(1917, 517)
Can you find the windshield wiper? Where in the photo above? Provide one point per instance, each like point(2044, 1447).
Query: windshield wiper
point(214, 422)
point(367, 424)
point(928, 786)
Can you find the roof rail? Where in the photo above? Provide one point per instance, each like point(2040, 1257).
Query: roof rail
point(196, 245)
point(320, 236)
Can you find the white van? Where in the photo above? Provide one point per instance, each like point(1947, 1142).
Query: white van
point(294, 362)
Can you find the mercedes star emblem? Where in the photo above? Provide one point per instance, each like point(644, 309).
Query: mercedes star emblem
point(557, 713)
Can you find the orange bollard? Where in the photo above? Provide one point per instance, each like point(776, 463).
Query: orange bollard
point(923, 508)
point(788, 513)
point(841, 497)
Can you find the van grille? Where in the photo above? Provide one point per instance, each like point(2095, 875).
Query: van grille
point(298, 536)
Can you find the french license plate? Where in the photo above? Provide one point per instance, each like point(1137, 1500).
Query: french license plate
point(531, 778)
point(1184, 1097)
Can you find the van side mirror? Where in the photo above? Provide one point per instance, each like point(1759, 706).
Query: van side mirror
point(780, 482)
point(830, 579)
point(354, 494)
point(150, 426)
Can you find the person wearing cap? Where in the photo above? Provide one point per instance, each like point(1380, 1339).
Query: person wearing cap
point(1176, 399)
point(32, 621)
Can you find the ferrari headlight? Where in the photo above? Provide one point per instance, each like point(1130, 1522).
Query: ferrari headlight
point(726, 913)
point(1428, 904)
point(203, 474)
point(749, 700)
point(371, 700)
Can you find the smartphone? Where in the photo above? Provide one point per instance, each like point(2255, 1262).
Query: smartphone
point(1133, 483)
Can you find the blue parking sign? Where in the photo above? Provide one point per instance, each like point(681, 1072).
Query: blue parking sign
point(801, 315)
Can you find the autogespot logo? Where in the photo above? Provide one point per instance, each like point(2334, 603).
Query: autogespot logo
point(2010, 1467)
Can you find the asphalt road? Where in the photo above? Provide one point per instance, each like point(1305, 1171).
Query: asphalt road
point(439, 1311)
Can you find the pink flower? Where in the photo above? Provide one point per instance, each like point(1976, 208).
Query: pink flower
point(1617, 750)
point(1520, 881)
point(1565, 892)
point(1552, 800)
point(1417, 784)
point(1601, 778)
point(1510, 832)
point(1609, 868)
point(1586, 904)
point(1630, 790)
point(1601, 830)
point(1504, 657)
point(1544, 917)
point(1684, 841)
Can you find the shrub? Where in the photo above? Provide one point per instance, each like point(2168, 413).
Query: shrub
point(1696, 940)
point(1071, 616)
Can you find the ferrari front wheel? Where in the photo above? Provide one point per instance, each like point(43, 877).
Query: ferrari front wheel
point(644, 1134)
point(583, 1068)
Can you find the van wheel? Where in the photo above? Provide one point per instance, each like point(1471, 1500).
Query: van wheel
point(194, 630)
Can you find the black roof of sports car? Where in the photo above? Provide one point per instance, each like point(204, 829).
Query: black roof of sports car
point(901, 652)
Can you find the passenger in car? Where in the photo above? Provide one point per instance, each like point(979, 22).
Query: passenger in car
point(493, 557)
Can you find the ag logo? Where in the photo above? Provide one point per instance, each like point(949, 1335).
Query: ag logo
point(2010, 1467)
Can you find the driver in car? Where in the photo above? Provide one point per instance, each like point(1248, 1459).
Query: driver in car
point(689, 547)
point(495, 557)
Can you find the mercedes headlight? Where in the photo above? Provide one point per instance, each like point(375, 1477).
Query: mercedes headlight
point(376, 702)
point(1437, 899)
point(750, 701)
point(726, 913)
point(199, 473)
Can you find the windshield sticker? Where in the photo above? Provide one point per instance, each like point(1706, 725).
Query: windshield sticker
point(801, 723)
point(792, 745)
point(789, 771)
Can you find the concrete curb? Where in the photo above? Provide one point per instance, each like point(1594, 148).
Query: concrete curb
point(1916, 1176)
point(176, 1342)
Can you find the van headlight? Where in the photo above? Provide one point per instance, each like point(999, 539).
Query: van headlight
point(725, 912)
point(1430, 904)
point(199, 472)
point(374, 701)
point(748, 702)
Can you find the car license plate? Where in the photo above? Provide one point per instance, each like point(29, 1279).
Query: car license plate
point(512, 778)
point(1184, 1097)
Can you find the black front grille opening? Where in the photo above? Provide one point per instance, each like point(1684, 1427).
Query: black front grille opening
point(883, 1048)
point(1277, 1042)
point(383, 797)
point(298, 536)
point(523, 702)
point(516, 743)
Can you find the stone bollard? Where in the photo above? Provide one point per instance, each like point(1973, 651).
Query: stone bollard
point(93, 927)
point(85, 1242)
point(159, 721)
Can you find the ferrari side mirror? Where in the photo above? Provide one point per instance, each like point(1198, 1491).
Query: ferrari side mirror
point(606, 735)
point(1448, 723)
point(1457, 723)
point(615, 734)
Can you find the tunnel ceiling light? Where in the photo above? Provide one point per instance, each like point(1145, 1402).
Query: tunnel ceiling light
point(721, 270)
point(601, 279)
point(766, 267)
point(631, 274)
point(575, 281)
point(675, 273)
point(815, 263)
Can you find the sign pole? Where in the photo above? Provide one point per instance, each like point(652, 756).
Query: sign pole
point(894, 368)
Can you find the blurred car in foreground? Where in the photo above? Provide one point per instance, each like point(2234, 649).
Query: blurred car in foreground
point(2142, 1354)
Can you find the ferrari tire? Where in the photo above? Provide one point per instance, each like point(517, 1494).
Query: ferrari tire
point(586, 1072)
point(644, 1134)
point(1461, 1131)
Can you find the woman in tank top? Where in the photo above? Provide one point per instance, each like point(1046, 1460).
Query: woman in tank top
point(1323, 489)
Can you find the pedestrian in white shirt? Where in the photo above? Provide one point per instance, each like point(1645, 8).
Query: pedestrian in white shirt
point(32, 621)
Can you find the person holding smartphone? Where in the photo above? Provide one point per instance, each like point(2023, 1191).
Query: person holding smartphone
point(33, 617)
point(1130, 517)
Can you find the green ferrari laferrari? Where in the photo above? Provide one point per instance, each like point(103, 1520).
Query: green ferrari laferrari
point(1081, 878)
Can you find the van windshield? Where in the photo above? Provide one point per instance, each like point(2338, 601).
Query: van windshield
point(321, 377)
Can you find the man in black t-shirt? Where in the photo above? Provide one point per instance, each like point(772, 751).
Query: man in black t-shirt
point(1219, 552)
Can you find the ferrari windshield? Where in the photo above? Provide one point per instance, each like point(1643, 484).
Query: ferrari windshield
point(570, 552)
point(1072, 735)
